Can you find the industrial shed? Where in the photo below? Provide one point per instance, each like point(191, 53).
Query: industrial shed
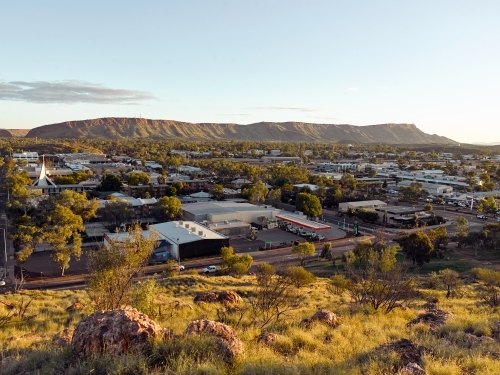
point(215, 212)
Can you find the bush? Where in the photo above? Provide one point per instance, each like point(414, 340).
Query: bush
point(299, 276)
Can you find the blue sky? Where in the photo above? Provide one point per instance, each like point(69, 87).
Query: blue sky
point(431, 63)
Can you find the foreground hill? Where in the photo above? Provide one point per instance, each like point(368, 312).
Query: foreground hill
point(134, 128)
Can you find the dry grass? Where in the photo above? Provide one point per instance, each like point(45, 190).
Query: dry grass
point(350, 348)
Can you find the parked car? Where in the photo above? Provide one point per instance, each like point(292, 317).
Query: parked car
point(210, 269)
point(481, 216)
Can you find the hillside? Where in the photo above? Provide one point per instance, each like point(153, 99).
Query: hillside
point(134, 128)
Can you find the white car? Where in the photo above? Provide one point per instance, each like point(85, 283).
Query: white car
point(481, 216)
point(210, 269)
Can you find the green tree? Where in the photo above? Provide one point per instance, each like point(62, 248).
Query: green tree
point(116, 213)
point(450, 280)
point(110, 182)
point(461, 226)
point(348, 181)
point(299, 276)
point(167, 208)
point(112, 269)
point(77, 203)
point(138, 178)
point(487, 205)
point(438, 237)
point(235, 264)
point(416, 246)
point(309, 204)
point(490, 285)
point(217, 190)
point(303, 250)
point(62, 233)
point(257, 192)
point(274, 197)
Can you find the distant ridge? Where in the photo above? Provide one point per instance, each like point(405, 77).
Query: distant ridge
point(139, 128)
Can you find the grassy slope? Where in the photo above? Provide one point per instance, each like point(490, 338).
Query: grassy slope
point(348, 349)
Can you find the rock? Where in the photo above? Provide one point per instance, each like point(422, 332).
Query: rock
point(495, 330)
point(429, 306)
point(326, 317)
point(412, 369)
point(434, 318)
point(114, 332)
point(229, 297)
point(409, 351)
point(75, 307)
point(228, 343)
point(433, 300)
point(7, 361)
point(267, 338)
point(63, 338)
point(472, 340)
point(207, 297)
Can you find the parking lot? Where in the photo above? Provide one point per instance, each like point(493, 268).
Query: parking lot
point(276, 236)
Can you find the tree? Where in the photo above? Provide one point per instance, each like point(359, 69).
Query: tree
point(299, 276)
point(273, 296)
point(238, 265)
point(77, 203)
point(348, 181)
point(110, 182)
point(487, 205)
point(303, 250)
point(116, 213)
point(365, 215)
point(274, 197)
point(461, 226)
point(438, 237)
point(257, 192)
point(490, 285)
point(428, 207)
point(217, 190)
point(416, 246)
point(113, 268)
point(309, 204)
point(62, 233)
point(451, 281)
point(412, 192)
point(138, 178)
point(167, 208)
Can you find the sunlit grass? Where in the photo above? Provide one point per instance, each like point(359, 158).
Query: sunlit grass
point(351, 348)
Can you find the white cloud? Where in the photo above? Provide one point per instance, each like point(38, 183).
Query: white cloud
point(352, 89)
point(69, 92)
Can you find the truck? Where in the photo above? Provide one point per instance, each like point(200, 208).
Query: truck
point(210, 269)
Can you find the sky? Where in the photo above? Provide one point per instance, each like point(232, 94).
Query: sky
point(433, 63)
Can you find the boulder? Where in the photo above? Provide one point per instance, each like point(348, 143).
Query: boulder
point(495, 329)
point(267, 338)
point(433, 300)
point(229, 345)
point(408, 350)
point(473, 340)
point(429, 306)
point(434, 318)
point(75, 307)
point(326, 317)
point(207, 297)
point(229, 297)
point(114, 332)
point(412, 369)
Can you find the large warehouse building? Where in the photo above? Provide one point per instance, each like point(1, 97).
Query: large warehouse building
point(182, 239)
point(214, 212)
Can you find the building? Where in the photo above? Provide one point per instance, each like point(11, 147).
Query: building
point(29, 157)
point(182, 239)
point(281, 159)
point(369, 205)
point(433, 189)
point(215, 212)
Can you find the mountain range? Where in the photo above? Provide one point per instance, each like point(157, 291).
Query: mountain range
point(139, 128)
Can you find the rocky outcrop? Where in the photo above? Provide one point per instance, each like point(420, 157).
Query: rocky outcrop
point(473, 340)
point(268, 338)
point(434, 318)
point(412, 369)
point(207, 297)
point(114, 332)
point(323, 316)
point(408, 350)
point(229, 345)
point(229, 297)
